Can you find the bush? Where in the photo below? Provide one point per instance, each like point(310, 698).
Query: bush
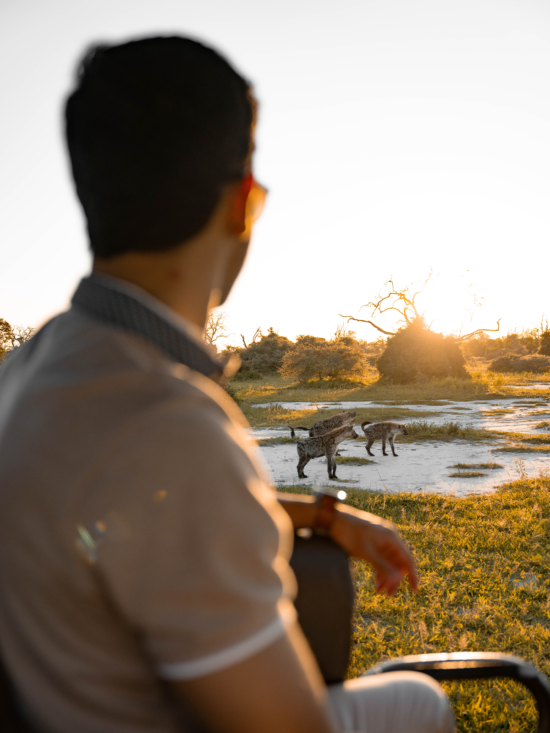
point(517, 364)
point(416, 353)
point(316, 358)
point(544, 348)
point(262, 357)
point(526, 342)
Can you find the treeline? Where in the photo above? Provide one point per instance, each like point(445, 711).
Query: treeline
point(532, 341)
point(528, 351)
point(308, 358)
point(12, 336)
point(414, 353)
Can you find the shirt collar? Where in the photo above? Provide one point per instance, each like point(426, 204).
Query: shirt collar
point(121, 304)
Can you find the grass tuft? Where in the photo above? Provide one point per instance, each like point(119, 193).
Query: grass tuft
point(520, 448)
point(466, 474)
point(266, 442)
point(499, 411)
point(538, 439)
point(490, 466)
point(422, 430)
point(353, 460)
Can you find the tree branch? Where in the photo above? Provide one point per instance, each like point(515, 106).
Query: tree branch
point(360, 320)
point(460, 339)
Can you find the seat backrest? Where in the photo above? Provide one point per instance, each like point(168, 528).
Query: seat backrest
point(11, 719)
point(324, 602)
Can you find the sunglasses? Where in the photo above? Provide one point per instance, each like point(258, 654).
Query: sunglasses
point(255, 203)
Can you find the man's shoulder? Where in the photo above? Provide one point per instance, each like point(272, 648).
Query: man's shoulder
point(76, 358)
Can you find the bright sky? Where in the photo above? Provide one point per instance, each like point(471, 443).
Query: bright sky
point(395, 136)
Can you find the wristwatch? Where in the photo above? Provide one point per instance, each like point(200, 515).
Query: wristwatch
point(327, 498)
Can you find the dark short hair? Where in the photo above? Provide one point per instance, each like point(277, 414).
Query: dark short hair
point(155, 128)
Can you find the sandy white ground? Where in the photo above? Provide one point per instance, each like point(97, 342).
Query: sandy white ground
point(422, 466)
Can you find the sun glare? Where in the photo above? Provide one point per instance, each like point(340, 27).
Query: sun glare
point(449, 304)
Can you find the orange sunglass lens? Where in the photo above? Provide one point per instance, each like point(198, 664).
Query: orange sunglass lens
point(255, 202)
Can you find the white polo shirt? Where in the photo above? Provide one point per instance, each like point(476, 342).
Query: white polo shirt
point(138, 537)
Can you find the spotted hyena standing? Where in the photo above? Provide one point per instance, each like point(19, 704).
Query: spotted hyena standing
point(322, 445)
point(325, 426)
point(382, 431)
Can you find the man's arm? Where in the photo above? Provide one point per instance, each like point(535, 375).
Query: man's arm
point(279, 689)
point(362, 535)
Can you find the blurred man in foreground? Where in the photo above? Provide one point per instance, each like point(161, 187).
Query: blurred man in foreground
point(144, 575)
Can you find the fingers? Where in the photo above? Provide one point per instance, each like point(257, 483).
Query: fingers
point(392, 559)
point(377, 541)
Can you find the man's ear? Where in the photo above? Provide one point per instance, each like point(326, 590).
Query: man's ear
point(236, 205)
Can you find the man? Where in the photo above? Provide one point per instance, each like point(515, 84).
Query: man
point(144, 577)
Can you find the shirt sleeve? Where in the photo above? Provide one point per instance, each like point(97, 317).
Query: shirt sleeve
point(194, 547)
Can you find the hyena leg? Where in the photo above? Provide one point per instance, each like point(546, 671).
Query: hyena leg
point(369, 446)
point(384, 447)
point(392, 448)
point(302, 463)
point(331, 465)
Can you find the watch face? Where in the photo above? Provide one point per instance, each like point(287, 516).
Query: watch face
point(338, 494)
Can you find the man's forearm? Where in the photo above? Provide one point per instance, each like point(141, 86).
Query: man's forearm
point(300, 509)
point(361, 535)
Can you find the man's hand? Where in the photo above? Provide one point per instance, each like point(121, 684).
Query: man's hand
point(375, 540)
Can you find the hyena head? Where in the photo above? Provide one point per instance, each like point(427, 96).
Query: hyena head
point(349, 417)
point(350, 432)
point(403, 429)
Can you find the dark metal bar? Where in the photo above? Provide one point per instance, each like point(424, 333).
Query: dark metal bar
point(475, 666)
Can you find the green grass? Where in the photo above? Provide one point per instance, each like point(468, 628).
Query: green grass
point(498, 411)
point(422, 430)
point(483, 385)
point(466, 474)
point(544, 424)
point(539, 439)
point(437, 391)
point(353, 460)
point(275, 415)
point(473, 555)
point(265, 442)
point(519, 448)
point(490, 466)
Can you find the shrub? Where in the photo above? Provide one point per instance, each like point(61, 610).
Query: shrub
point(518, 364)
point(544, 348)
point(316, 358)
point(262, 357)
point(416, 353)
point(526, 342)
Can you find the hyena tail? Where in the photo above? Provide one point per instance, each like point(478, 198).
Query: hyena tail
point(367, 422)
point(293, 435)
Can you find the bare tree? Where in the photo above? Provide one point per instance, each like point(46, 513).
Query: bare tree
point(342, 332)
point(256, 336)
point(20, 335)
point(405, 305)
point(13, 336)
point(216, 327)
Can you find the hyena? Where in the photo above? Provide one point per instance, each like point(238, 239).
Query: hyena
point(322, 445)
point(382, 431)
point(325, 426)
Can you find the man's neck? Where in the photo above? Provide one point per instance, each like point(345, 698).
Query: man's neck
point(184, 289)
